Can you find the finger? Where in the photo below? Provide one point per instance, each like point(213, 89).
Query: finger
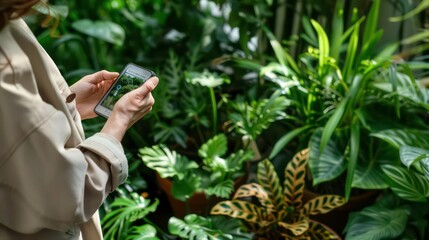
point(106, 75)
point(101, 76)
point(147, 87)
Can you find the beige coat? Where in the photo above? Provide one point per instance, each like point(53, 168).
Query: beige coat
point(52, 180)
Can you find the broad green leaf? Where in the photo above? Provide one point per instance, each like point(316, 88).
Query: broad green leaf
point(166, 162)
point(222, 189)
point(407, 184)
point(368, 173)
point(195, 227)
point(214, 148)
point(234, 162)
point(125, 211)
point(328, 165)
point(143, 232)
point(55, 11)
point(417, 157)
point(403, 137)
point(101, 29)
point(206, 79)
point(227, 225)
point(375, 223)
point(183, 189)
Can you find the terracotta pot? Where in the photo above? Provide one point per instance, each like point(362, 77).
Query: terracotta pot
point(198, 203)
point(337, 218)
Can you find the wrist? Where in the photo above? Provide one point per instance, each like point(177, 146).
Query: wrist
point(114, 128)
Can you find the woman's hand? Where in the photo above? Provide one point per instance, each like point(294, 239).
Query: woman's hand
point(130, 108)
point(90, 89)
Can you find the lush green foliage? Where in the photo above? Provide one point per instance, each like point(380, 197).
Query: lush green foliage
point(124, 211)
point(196, 227)
point(390, 218)
point(214, 174)
point(267, 75)
point(337, 98)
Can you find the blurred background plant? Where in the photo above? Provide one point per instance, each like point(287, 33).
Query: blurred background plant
point(212, 58)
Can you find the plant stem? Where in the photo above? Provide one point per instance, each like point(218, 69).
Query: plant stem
point(214, 110)
point(198, 126)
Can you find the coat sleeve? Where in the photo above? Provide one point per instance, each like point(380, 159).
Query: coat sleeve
point(44, 183)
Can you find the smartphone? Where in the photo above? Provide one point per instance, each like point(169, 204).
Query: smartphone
point(132, 77)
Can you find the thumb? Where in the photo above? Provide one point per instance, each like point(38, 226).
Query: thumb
point(147, 87)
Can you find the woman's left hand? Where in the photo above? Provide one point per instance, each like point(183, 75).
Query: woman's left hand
point(90, 89)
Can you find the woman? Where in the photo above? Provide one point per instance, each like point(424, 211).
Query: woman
point(52, 180)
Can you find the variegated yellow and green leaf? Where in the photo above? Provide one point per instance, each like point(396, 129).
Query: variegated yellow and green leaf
point(322, 204)
point(295, 179)
point(255, 190)
point(297, 228)
point(269, 180)
point(246, 211)
point(318, 231)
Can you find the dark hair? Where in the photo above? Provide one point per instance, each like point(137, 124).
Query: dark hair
point(12, 9)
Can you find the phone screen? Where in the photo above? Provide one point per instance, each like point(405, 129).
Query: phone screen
point(130, 79)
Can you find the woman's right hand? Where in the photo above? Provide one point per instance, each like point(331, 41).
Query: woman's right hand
point(130, 108)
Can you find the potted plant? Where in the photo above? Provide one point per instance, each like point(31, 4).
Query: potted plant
point(213, 173)
point(211, 156)
point(280, 212)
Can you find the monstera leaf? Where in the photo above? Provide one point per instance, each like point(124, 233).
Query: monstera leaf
point(212, 227)
point(104, 30)
point(166, 162)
